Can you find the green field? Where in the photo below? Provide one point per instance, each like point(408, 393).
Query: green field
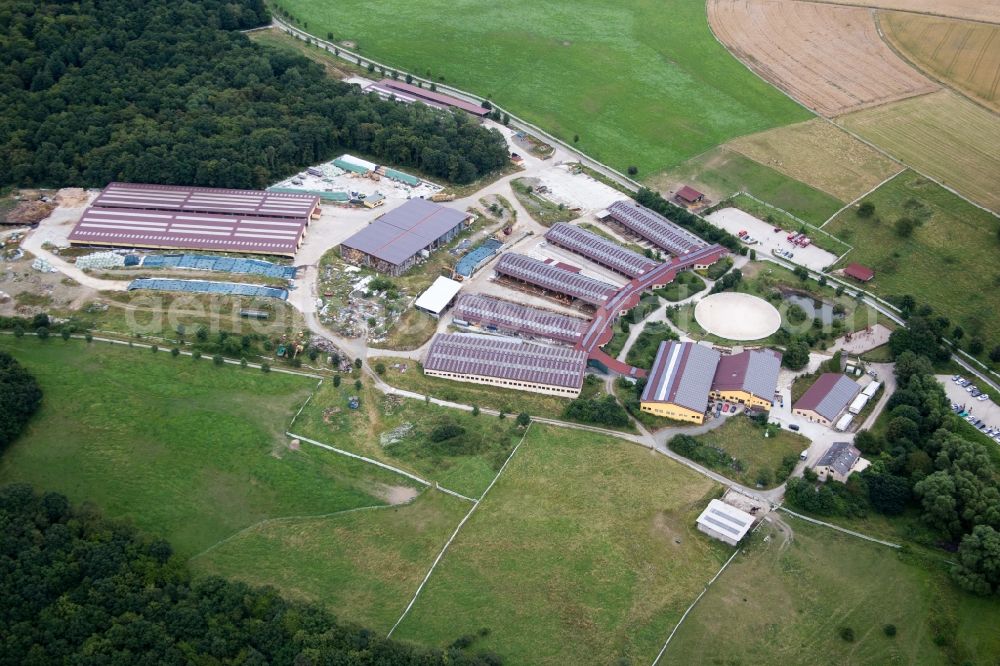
point(363, 565)
point(720, 173)
point(949, 261)
point(641, 83)
point(584, 552)
point(465, 463)
point(744, 440)
point(178, 447)
point(793, 599)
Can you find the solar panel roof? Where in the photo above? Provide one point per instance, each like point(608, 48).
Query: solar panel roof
point(206, 200)
point(485, 356)
point(600, 249)
point(547, 276)
point(682, 375)
point(126, 227)
point(654, 227)
point(489, 311)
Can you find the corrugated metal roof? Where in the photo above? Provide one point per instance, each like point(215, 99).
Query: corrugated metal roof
point(726, 519)
point(754, 371)
point(548, 276)
point(829, 395)
point(405, 231)
point(484, 356)
point(489, 311)
point(682, 375)
point(126, 227)
point(655, 228)
point(135, 196)
point(402, 177)
point(437, 297)
point(601, 250)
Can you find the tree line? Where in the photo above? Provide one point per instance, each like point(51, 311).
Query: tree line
point(652, 200)
point(169, 92)
point(20, 398)
point(78, 588)
point(923, 459)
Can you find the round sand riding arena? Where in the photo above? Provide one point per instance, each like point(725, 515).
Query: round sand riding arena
point(737, 316)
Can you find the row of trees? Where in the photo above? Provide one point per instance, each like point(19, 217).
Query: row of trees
point(167, 92)
point(652, 200)
point(923, 460)
point(78, 588)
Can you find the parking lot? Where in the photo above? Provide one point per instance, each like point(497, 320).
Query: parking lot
point(734, 220)
point(986, 410)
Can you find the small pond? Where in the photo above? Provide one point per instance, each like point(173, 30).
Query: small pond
point(814, 308)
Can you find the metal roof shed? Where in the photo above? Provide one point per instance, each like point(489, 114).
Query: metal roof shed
point(725, 523)
point(438, 296)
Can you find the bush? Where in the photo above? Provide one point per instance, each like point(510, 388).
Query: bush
point(336, 381)
point(601, 411)
point(380, 368)
point(42, 332)
point(847, 634)
point(265, 367)
point(218, 360)
point(175, 352)
point(446, 431)
point(889, 630)
point(523, 419)
point(866, 209)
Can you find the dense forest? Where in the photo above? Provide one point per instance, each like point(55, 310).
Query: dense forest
point(77, 588)
point(19, 398)
point(171, 92)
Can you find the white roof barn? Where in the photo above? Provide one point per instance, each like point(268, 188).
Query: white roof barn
point(724, 522)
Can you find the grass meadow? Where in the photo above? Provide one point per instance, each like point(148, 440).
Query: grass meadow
point(180, 448)
point(794, 599)
point(642, 84)
point(948, 262)
point(721, 172)
point(584, 552)
point(744, 440)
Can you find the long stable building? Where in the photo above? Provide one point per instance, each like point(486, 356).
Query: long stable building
point(393, 243)
point(655, 228)
point(827, 398)
point(506, 363)
point(497, 315)
point(600, 250)
point(409, 93)
point(552, 278)
point(196, 218)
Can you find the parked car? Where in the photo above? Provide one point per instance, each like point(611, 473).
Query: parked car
point(975, 393)
point(733, 409)
point(793, 426)
point(970, 388)
point(982, 396)
point(955, 378)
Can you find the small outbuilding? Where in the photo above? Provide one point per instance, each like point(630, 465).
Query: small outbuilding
point(438, 296)
point(840, 461)
point(724, 522)
point(689, 195)
point(859, 272)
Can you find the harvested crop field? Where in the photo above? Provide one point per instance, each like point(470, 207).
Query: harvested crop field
point(962, 54)
point(974, 10)
point(829, 58)
point(820, 155)
point(943, 135)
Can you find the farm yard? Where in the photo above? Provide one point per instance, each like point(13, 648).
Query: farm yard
point(573, 507)
point(973, 10)
point(943, 135)
point(793, 594)
point(963, 54)
point(722, 172)
point(947, 262)
point(819, 155)
point(829, 58)
point(652, 103)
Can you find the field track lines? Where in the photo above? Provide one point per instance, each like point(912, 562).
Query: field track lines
point(454, 534)
point(308, 400)
point(268, 521)
point(840, 529)
point(386, 466)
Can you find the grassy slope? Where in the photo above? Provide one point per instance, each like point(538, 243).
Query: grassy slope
point(745, 441)
point(363, 565)
point(792, 602)
point(722, 172)
point(487, 439)
point(181, 448)
point(584, 551)
point(949, 262)
point(643, 83)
